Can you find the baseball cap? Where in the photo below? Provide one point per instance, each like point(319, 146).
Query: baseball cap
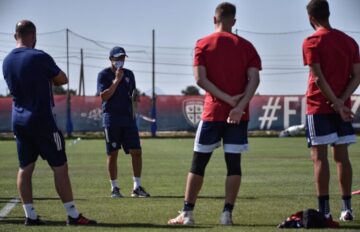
point(117, 52)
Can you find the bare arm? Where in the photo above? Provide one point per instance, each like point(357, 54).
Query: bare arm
point(60, 79)
point(109, 92)
point(204, 83)
point(323, 85)
point(336, 103)
point(254, 80)
point(353, 83)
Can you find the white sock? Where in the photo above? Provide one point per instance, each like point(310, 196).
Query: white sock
point(30, 211)
point(137, 182)
point(71, 209)
point(114, 184)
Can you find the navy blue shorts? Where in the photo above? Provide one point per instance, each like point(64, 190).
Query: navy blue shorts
point(49, 145)
point(117, 137)
point(328, 129)
point(209, 134)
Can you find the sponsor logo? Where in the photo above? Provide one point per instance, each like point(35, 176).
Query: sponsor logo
point(192, 109)
point(94, 114)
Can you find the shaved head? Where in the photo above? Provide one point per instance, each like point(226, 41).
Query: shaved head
point(25, 28)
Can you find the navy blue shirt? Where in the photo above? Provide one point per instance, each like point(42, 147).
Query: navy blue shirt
point(117, 110)
point(28, 73)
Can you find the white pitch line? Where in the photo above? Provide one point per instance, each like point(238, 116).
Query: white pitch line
point(8, 207)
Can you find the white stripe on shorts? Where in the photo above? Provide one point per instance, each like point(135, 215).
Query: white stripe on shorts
point(106, 135)
point(311, 126)
point(198, 132)
point(201, 147)
point(235, 148)
point(206, 148)
point(326, 139)
point(57, 140)
point(347, 139)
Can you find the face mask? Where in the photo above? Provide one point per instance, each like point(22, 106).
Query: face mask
point(118, 64)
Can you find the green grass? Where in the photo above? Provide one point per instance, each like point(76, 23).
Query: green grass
point(277, 181)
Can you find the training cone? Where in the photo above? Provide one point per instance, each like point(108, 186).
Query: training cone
point(356, 192)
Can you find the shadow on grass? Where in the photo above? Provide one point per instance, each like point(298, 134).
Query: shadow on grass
point(148, 225)
point(201, 197)
point(107, 225)
point(20, 221)
point(7, 199)
point(350, 227)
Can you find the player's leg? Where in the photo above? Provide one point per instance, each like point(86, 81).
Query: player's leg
point(344, 170)
point(131, 145)
point(136, 161)
point(195, 178)
point(321, 132)
point(321, 176)
point(52, 148)
point(207, 138)
point(113, 145)
point(194, 183)
point(233, 179)
point(27, 155)
point(235, 142)
point(24, 183)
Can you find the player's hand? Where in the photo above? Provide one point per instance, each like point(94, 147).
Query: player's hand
point(346, 114)
point(119, 73)
point(234, 100)
point(235, 116)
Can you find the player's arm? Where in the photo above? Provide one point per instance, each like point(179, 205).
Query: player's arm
point(324, 86)
point(202, 81)
point(336, 103)
point(60, 79)
point(109, 92)
point(253, 82)
point(353, 83)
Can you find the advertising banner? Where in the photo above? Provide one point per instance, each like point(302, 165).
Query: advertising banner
point(178, 113)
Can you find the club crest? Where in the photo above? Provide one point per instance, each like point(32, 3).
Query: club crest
point(192, 109)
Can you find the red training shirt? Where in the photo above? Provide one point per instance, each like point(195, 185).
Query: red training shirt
point(226, 58)
point(336, 53)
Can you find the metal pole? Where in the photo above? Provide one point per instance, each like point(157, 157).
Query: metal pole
point(69, 125)
point(153, 110)
point(153, 64)
point(81, 79)
point(67, 60)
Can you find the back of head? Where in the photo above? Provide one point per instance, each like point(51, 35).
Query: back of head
point(319, 9)
point(225, 11)
point(24, 28)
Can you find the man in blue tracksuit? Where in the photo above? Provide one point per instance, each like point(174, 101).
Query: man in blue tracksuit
point(116, 87)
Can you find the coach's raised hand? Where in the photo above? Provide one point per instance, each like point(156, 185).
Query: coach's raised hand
point(119, 73)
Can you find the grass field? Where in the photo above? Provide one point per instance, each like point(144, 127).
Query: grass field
point(277, 181)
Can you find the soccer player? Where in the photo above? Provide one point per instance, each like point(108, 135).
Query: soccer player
point(30, 74)
point(116, 86)
point(227, 67)
point(333, 58)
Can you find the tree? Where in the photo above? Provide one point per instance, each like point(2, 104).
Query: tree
point(191, 91)
point(59, 90)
